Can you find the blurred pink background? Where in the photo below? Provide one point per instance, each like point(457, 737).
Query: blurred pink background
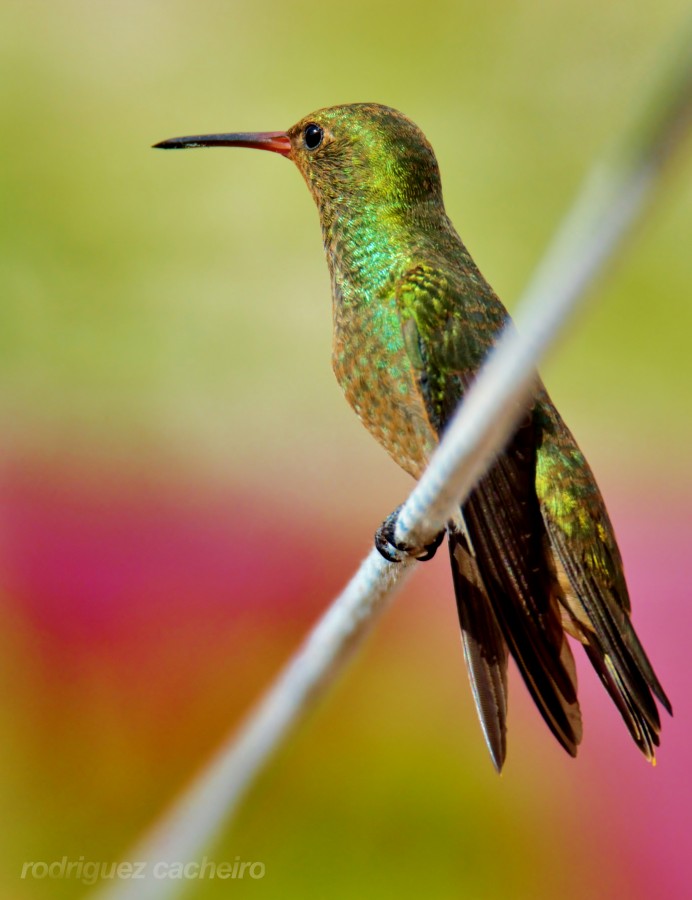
point(141, 622)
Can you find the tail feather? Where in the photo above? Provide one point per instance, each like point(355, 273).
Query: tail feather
point(643, 734)
point(485, 650)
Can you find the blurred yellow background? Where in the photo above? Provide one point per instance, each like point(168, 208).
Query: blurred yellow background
point(183, 488)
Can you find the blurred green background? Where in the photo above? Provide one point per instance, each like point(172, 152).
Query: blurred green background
point(183, 488)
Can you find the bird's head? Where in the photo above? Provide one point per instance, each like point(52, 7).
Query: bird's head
point(364, 151)
point(361, 153)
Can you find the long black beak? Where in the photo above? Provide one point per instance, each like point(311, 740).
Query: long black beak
point(276, 141)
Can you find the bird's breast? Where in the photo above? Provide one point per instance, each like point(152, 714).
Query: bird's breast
point(374, 371)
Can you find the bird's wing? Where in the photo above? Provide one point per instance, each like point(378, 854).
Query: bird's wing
point(447, 334)
point(595, 591)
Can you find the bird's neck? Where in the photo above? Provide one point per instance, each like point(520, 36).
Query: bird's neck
point(367, 245)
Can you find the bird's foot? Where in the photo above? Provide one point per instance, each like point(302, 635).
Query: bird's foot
point(394, 551)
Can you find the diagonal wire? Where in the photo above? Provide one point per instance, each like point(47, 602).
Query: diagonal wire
point(612, 199)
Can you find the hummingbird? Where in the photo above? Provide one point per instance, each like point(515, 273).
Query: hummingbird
point(533, 553)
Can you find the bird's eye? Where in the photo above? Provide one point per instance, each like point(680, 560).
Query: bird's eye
point(312, 136)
